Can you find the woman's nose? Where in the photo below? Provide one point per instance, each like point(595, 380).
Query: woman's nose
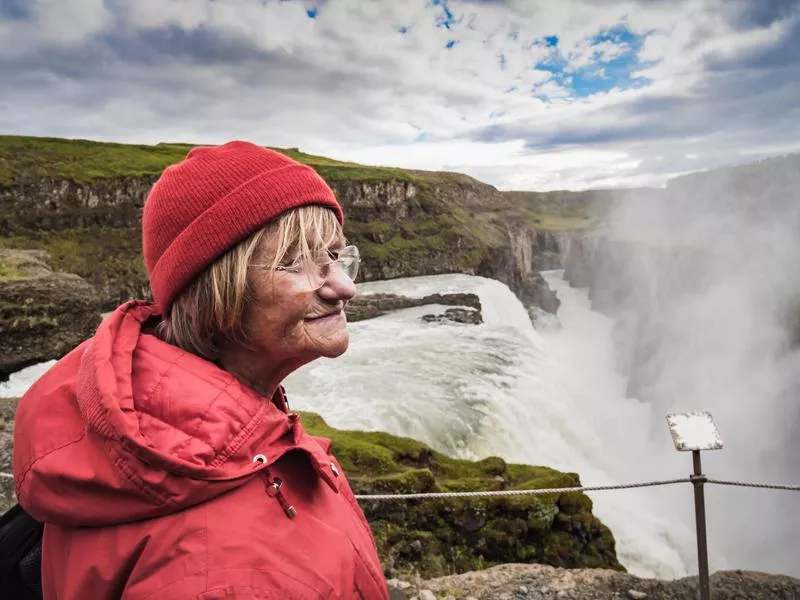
point(337, 285)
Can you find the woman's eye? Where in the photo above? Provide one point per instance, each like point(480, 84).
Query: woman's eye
point(290, 265)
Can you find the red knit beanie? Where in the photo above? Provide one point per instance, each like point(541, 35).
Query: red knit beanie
point(213, 199)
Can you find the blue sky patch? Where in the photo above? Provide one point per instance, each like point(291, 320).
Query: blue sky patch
point(605, 70)
point(446, 18)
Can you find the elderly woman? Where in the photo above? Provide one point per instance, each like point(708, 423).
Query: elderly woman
point(161, 454)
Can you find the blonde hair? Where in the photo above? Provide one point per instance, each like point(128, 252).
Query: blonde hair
point(211, 310)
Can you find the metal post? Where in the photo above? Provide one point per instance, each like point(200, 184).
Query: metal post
point(698, 479)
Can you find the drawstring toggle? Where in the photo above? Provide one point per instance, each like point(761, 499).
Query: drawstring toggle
point(274, 491)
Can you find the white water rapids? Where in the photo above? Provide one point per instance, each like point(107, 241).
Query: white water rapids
point(547, 397)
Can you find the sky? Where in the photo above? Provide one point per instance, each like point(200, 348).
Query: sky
point(521, 94)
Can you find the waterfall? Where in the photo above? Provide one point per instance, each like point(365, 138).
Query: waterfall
point(550, 397)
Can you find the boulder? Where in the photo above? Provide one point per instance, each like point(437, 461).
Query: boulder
point(468, 316)
point(543, 582)
point(43, 314)
point(8, 407)
point(368, 306)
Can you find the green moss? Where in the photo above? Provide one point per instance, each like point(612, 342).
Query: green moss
point(10, 269)
point(361, 173)
point(450, 241)
point(556, 222)
point(440, 537)
point(81, 160)
point(33, 322)
point(6, 172)
point(23, 158)
point(108, 258)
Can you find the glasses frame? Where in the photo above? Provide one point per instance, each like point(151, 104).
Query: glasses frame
point(349, 255)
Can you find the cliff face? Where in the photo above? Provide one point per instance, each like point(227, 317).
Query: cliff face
point(82, 203)
point(403, 228)
point(42, 314)
point(46, 203)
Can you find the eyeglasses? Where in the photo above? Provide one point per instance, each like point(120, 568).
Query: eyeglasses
point(348, 259)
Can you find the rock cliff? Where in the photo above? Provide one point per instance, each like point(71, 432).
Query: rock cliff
point(42, 313)
point(431, 538)
point(82, 202)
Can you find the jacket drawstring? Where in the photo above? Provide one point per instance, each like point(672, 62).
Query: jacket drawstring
point(274, 491)
point(273, 485)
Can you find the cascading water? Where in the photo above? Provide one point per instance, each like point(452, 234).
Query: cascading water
point(503, 388)
point(548, 397)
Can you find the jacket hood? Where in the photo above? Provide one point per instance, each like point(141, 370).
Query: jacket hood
point(128, 427)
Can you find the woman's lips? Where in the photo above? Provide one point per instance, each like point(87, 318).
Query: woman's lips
point(329, 317)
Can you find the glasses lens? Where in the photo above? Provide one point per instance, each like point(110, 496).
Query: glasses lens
point(350, 260)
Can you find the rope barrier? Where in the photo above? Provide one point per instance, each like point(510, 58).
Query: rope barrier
point(794, 488)
point(596, 488)
point(543, 491)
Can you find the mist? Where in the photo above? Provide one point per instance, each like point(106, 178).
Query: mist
point(703, 280)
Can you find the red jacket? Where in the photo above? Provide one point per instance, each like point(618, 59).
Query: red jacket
point(160, 476)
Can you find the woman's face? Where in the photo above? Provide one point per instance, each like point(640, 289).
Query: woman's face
point(290, 322)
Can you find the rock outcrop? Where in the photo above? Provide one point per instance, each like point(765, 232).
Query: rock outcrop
point(7, 409)
point(542, 582)
point(466, 316)
point(43, 314)
point(431, 538)
point(367, 306)
point(82, 201)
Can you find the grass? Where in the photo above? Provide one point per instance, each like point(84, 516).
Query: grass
point(457, 535)
point(555, 222)
point(23, 158)
point(10, 269)
point(108, 258)
point(81, 161)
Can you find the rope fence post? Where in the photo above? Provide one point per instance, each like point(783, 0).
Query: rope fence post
point(698, 479)
point(696, 431)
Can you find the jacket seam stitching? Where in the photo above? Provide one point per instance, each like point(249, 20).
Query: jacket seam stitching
point(30, 465)
point(129, 473)
point(239, 439)
point(200, 419)
point(162, 377)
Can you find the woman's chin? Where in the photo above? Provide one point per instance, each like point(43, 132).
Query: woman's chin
point(333, 350)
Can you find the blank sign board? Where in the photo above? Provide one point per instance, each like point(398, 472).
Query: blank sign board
point(694, 431)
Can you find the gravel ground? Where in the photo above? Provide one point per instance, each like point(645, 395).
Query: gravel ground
point(542, 582)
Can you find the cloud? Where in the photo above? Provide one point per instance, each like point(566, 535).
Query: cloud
point(15, 10)
point(391, 81)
